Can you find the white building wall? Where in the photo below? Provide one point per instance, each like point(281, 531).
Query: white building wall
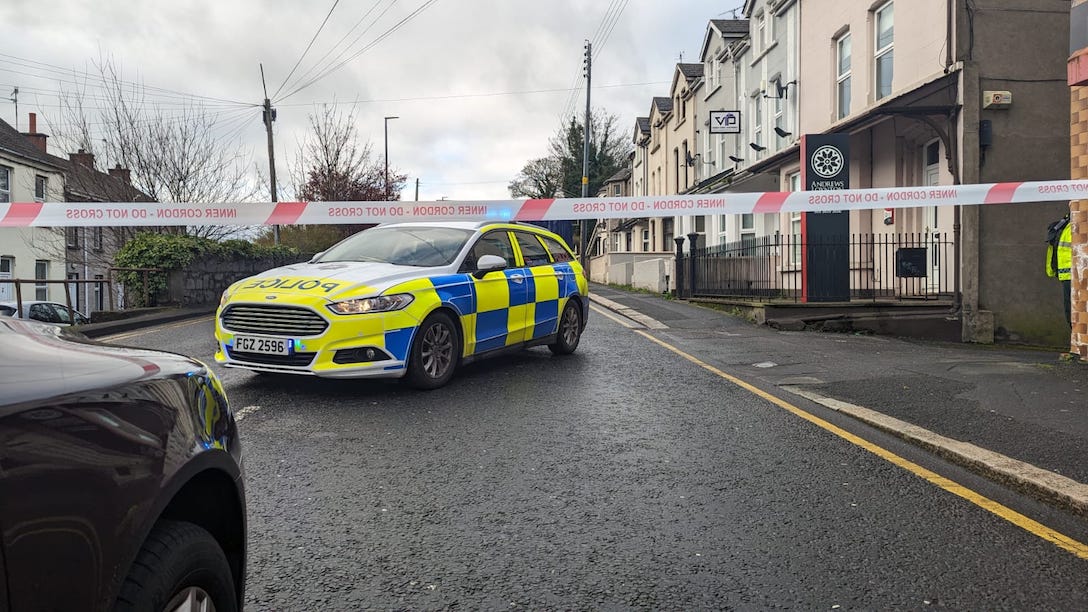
point(24, 247)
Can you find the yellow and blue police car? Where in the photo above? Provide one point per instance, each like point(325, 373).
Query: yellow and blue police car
point(412, 300)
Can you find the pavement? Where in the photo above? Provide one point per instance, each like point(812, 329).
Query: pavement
point(1015, 415)
point(159, 317)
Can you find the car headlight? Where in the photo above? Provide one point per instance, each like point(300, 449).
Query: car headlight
point(382, 303)
point(223, 298)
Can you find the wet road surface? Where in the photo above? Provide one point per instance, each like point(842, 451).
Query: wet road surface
point(623, 476)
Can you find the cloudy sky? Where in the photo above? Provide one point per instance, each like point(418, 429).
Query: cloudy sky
point(478, 85)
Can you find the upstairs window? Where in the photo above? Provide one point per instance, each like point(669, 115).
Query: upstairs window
point(757, 123)
point(779, 115)
point(5, 184)
point(884, 22)
point(40, 185)
point(761, 32)
point(842, 91)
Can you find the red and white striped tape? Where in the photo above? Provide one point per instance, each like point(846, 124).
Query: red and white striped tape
point(95, 214)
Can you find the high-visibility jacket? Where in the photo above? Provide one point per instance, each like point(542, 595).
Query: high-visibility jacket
point(1064, 260)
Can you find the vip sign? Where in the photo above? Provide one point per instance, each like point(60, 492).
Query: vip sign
point(725, 122)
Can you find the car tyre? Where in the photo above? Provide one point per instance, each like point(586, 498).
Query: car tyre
point(436, 349)
point(569, 333)
point(179, 568)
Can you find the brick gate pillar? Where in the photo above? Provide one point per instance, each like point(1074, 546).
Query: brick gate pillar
point(1078, 209)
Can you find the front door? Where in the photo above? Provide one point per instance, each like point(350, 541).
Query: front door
point(932, 230)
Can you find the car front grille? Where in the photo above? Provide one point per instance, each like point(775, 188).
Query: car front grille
point(294, 359)
point(273, 320)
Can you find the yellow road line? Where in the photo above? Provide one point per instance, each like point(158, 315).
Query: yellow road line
point(123, 336)
point(1038, 529)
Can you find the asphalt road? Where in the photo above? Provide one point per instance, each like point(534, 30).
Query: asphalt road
point(624, 476)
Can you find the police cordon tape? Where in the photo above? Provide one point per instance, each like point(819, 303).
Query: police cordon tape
point(134, 214)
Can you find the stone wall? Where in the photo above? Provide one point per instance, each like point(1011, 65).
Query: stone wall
point(204, 280)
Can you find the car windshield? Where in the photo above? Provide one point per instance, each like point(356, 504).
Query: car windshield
point(403, 246)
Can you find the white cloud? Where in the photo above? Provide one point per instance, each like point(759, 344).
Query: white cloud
point(459, 147)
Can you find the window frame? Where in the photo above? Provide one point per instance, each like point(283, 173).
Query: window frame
point(761, 31)
point(879, 52)
point(41, 272)
point(757, 123)
point(41, 188)
point(5, 183)
point(842, 104)
point(779, 110)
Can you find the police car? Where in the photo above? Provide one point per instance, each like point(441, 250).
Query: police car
point(413, 300)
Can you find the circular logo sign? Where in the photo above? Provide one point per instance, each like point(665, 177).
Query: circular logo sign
point(827, 161)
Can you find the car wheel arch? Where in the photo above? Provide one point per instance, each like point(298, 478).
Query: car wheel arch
point(212, 477)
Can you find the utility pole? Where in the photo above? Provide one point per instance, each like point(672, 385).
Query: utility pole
point(268, 116)
point(387, 155)
point(417, 190)
point(585, 158)
point(15, 99)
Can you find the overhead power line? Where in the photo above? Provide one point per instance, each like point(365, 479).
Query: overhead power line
point(600, 36)
point(369, 46)
point(319, 65)
point(469, 95)
point(72, 72)
point(307, 49)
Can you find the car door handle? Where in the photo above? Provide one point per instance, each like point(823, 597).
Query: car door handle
point(517, 278)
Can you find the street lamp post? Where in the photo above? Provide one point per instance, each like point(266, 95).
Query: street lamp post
point(387, 155)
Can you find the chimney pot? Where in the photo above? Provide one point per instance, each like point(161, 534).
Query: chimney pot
point(121, 173)
point(83, 159)
point(36, 139)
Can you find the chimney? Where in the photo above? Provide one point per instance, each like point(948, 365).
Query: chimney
point(83, 159)
point(36, 139)
point(121, 173)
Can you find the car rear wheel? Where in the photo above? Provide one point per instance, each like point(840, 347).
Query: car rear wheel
point(570, 330)
point(180, 568)
point(435, 351)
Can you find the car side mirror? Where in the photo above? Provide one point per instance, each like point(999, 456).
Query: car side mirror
point(316, 257)
point(489, 263)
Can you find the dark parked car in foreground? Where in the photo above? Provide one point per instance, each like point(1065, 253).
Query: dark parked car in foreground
point(120, 478)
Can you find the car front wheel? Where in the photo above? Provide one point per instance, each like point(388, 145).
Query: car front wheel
point(435, 350)
point(180, 568)
point(570, 330)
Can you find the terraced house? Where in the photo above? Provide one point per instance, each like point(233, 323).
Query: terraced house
point(29, 173)
point(928, 93)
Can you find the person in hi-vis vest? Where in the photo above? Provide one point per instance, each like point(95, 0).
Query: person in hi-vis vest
point(1059, 261)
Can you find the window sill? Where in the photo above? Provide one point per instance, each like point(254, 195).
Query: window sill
point(759, 56)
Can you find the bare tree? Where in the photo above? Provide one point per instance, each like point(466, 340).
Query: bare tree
point(333, 165)
point(186, 154)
